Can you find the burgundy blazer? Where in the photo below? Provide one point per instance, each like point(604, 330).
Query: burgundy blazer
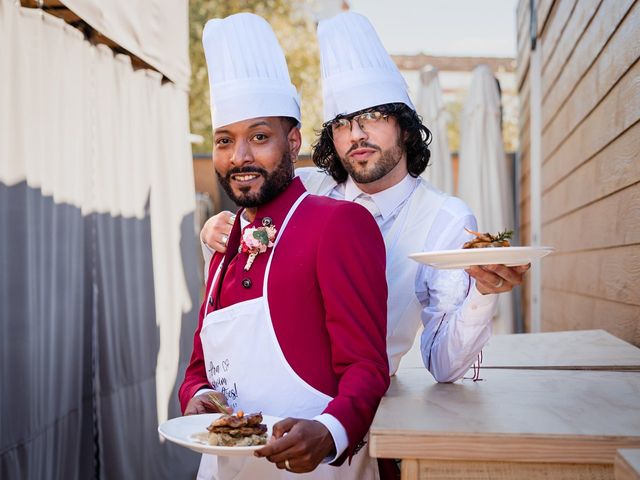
point(327, 295)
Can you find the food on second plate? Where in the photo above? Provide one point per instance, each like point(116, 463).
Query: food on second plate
point(487, 240)
point(238, 430)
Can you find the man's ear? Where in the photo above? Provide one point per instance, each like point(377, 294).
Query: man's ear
point(294, 139)
point(404, 133)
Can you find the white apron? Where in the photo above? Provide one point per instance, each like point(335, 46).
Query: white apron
point(244, 361)
point(407, 235)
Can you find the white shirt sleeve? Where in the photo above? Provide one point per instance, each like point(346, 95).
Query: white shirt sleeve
point(202, 390)
point(338, 433)
point(455, 315)
point(207, 255)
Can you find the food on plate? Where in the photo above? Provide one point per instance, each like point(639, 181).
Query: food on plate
point(238, 430)
point(487, 240)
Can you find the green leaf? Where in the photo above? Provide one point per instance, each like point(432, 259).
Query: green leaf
point(261, 236)
point(506, 235)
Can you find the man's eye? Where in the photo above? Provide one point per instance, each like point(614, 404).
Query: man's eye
point(260, 137)
point(371, 116)
point(341, 123)
point(223, 141)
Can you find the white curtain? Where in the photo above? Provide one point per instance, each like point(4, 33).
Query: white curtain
point(431, 107)
point(157, 31)
point(483, 178)
point(99, 288)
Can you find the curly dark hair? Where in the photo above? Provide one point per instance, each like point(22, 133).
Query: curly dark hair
point(417, 139)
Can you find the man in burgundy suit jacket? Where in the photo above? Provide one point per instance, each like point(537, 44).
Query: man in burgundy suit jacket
point(320, 277)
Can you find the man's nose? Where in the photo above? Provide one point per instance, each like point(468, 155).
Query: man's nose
point(242, 154)
point(357, 132)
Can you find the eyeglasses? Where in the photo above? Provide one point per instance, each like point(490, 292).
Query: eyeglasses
point(364, 120)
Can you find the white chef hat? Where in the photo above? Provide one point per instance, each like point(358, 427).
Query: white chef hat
point(248, 75)
point(357, 72)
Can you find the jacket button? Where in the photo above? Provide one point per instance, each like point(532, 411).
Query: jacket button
point(246, 283)
point(266, 222)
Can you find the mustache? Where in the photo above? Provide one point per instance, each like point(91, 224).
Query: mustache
point(363, 144)
point(248, 169)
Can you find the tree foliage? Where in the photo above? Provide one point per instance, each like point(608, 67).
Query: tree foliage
point(295, 30)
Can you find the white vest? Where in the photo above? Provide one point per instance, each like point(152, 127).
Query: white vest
point(407, 235)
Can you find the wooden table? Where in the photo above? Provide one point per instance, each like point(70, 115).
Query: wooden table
point(515, 424)
point(627, 466)
point(575, 350)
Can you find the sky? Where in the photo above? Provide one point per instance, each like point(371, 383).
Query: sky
point(443, 27)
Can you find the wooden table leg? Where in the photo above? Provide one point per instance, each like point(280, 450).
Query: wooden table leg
point(409, 469)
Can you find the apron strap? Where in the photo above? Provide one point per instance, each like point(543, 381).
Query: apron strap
point(275, 244)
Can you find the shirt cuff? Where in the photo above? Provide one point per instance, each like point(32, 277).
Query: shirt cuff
point(207, 255)
point(478, 308)
point(202, 390)
point(206, 249)
point(337, 431)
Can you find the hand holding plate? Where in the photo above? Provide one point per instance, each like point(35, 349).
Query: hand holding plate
point(305, 445)
point(497, 278)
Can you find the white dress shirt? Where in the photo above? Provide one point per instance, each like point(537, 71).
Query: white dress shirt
point(455, 315)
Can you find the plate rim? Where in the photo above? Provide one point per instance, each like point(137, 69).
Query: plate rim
point(449, 262)
point(518, 248)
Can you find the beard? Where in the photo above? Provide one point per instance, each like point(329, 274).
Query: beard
point(387, 162)
point(274, 183)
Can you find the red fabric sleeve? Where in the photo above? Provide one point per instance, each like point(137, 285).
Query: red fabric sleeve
point(351, 272)
point(195, 376)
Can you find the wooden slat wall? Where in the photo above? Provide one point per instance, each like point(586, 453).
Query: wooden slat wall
point(590, 161)
point(522, 69)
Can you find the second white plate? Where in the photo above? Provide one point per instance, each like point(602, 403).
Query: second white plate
point(464, 258)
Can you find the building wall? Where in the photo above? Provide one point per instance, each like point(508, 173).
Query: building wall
point(590, 168)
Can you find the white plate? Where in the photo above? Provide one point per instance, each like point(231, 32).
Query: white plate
point(191, 432)
point(464, 258)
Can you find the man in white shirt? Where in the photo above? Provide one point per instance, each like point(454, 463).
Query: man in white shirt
point(374, 148)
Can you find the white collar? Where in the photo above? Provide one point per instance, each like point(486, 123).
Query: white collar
point(244, 221)
point(387, 200)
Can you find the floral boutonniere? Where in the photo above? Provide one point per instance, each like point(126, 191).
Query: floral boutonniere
point(257, 240)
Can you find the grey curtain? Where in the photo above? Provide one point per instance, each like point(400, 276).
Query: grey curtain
point(45, 356)
point(80, 343)
point(125, 348)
